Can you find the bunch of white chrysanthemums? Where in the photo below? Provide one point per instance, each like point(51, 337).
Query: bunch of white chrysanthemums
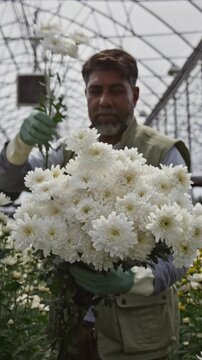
point(107, 205)
point(54, 39)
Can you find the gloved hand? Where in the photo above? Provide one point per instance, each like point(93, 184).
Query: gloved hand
point(113, 282)
point(37, 128)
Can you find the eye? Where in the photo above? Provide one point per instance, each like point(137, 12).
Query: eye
point(95, 91)
point(118, 90)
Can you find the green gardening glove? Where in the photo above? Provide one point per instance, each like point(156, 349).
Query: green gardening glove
point(113, 282)
point(37, 128)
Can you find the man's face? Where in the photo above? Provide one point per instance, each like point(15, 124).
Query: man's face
point(111, 101)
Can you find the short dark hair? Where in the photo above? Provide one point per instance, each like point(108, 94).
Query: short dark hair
point(112, 59)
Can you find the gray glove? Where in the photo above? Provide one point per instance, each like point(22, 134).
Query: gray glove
point(37, 128)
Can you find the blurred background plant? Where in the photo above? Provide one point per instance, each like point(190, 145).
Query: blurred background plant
point(24, 299)
point(190, 304)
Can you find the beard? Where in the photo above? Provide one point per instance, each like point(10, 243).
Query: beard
point(111, 127)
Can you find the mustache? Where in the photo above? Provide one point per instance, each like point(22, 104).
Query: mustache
point(105, 112)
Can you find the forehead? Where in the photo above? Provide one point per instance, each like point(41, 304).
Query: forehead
point(106, 78)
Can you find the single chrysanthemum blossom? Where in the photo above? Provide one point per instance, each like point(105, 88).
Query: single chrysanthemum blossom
point(184, 200)
point(133, 155)
point(52, 232)
point(161, 182)
point(51, 208)
point(58, 44)
point(46, 29)
point(143, 191)
point(47, 190)
point(79, 37)
point(79, 141)
point(86, 210)
point(70, 249)
point(98, 157)
point(9, 260)
point(128, 205)
point(196, 231)
point(25, 232)
point(36, 177)
point(127, 176)
point(142, 250)
point(4, 200)
point(184, 253)
point(108, 191)
point(29, 207)
point(90, 256)
point(195, 277)
point(83, 179)
point(71, 166)
point(114, 235)
point(56, 171)
point(197, 209)
point(179, 177)
point(165, 223)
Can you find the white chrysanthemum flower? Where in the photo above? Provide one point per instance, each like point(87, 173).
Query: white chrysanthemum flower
point(196, 231)
point(56, 171)
point(35, 301)
point(79, 37)
point(143, 191)
point(197, 209)
point(184, 253)
point(60, 45)
point(25, 232)
point(36, 177)
point(114, 234)
point(134, 155)
point(127, 177)
point(197, 277)
point(52, 231)
point(90, 256)
point(71, 166)
point(79, 141)
point(4, 200)
point(184, 200)
point(161, 182)
point(70, 249)
point(144, 247)
point(52, 208)
point(98, 259)
point(108, 191)
point(83, 179)
point(165, 223)
point(128, 205)
point(179, 176)
point(98, 157)
point(47, 29)
point(9, 260)
point(46, 190)
point(86, 210)
point(30, 208)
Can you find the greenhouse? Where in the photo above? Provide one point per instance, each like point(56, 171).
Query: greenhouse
point(101, 179)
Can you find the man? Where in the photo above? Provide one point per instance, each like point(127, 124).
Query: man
point(142, 324)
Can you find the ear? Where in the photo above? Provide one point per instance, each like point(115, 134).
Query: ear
point(136, 92)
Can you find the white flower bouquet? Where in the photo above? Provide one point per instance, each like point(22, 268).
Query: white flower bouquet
point(108, 207)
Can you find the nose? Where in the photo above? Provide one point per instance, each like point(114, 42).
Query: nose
point(105, 100)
